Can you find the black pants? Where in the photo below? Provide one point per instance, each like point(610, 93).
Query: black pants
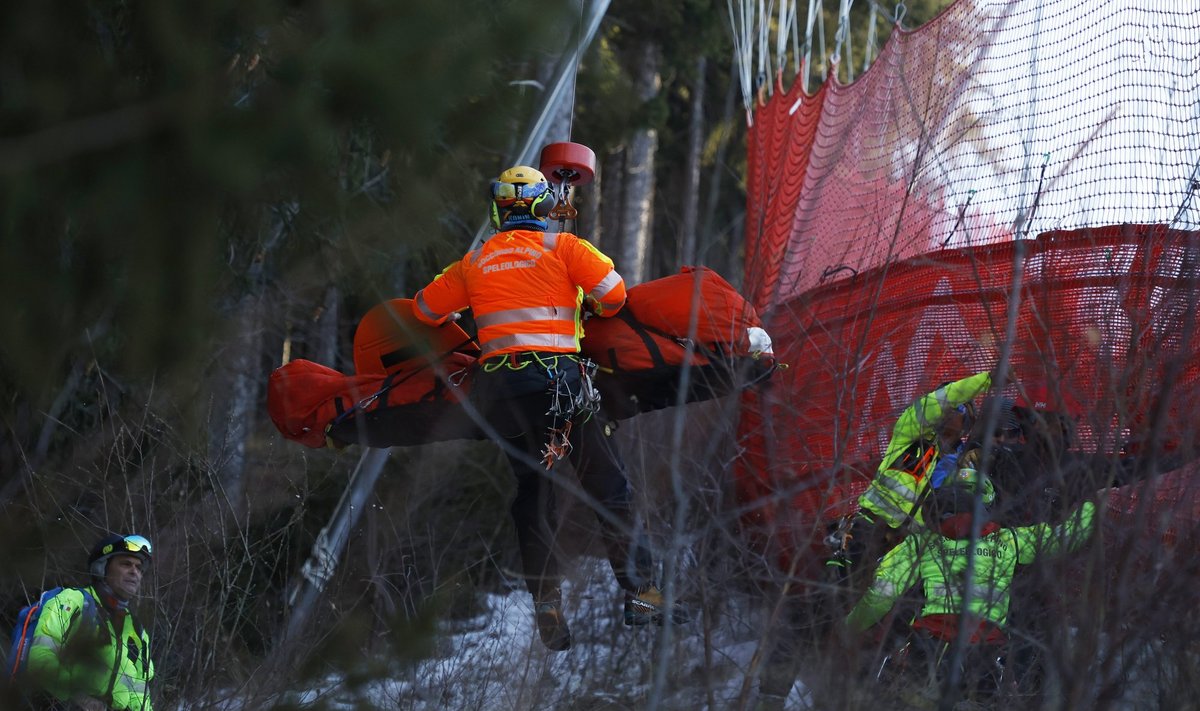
point(866, 541)
point(34, 701)
point(516, 404)
point(926, 659)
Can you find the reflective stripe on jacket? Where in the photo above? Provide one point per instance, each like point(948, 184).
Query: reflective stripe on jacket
point(525, 289)
point(913, 451)
point(115, 668)
point(940, 563)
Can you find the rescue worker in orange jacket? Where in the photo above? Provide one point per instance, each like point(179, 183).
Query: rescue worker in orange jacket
point(526, 288)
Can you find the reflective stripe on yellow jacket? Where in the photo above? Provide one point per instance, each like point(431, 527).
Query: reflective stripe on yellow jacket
point(912, 452)
point(71, 656)
point(525, 289)
point(940, 564)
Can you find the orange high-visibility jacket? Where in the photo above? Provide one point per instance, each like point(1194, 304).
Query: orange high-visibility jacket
point(525, 289)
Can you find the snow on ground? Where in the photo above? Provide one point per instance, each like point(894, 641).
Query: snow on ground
point(496, 662)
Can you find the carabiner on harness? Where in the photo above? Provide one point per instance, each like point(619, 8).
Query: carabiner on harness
point(566, 405)
point(588, 398)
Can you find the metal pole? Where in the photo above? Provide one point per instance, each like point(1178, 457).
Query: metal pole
point(554, 98)
point(331, 542)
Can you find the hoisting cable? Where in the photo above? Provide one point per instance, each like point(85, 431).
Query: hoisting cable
point(563, 210)
point(537, 133)
point(574, 77)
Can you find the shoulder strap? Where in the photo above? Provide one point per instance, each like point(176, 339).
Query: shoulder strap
point(643, 331)
point(137, 627)
point(89, 603)
point(24, 630)
point(712, 354)
point(140, 631)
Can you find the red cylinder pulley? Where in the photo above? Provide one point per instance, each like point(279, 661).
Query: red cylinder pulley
point(571, 163)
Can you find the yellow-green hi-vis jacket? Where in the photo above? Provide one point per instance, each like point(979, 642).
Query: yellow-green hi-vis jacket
point(895, 492)
point(71, 655)
point(940, 564)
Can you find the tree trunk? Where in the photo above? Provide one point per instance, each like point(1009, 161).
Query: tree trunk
point(244, 389)
point(326, 329)
point(608, 232)
point(708, 238)
point(232, 421)
point(589, 203)
point(691, 196)
point(637, 207)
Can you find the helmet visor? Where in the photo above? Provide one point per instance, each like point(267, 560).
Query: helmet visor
point(508, 193)
point(129, 544)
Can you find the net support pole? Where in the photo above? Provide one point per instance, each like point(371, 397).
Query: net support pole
point(327, 550)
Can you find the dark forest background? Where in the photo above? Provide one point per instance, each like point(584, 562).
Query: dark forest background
point(194, 193)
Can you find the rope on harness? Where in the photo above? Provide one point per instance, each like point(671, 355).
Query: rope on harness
point(566, 405)
point(558, 444)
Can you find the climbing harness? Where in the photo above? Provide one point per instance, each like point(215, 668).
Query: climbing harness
point(566, 405)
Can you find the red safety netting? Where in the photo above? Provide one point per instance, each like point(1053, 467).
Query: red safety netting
point(882, 229)
point(1104, 325)
point(1162, 511)
point(882, 232)
point(996, 120)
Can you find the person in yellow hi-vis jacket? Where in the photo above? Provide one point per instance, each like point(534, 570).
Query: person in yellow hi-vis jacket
point(932, 426)
point(965, 580)
point(87, 651)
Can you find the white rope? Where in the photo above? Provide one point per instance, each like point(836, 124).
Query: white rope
point(814, 9)
point(821, 39)
point(764, 31)
point(760, 58)
point(843, 39)
point(784, 29)
point(872, 38)
point(741, 22)
point(796, 63)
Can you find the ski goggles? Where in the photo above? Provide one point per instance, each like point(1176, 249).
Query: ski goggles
point(129, 544)
point(509, 193)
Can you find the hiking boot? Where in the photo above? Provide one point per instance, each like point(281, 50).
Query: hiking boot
point(647, 605)
point(552, 623)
